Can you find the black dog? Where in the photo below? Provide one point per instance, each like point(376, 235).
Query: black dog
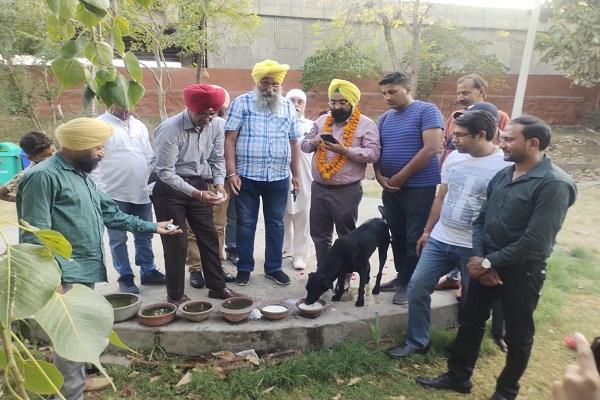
point(349, 254)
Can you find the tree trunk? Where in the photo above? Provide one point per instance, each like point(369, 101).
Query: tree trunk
point(416, 49)
point(389, 41)
point(50, 101)
point(160, 88)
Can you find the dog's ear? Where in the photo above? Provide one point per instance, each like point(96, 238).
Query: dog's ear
point(310, 274)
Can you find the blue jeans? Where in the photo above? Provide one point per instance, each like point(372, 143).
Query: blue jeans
point(144, 256)
point(274, 196)
point(231, 226)
point(437, 258)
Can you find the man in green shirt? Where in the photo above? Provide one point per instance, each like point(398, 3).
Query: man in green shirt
point(58, 194)
point(513, 236)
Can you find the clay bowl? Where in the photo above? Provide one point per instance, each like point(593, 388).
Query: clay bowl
point(196, 310)
point(236, 309)
point(273, 311)
point(157, 314)
point(310, 313)
point(125, 305)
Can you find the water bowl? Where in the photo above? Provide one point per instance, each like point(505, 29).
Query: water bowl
point(196, 310)
point(125, 305)
point(157, 314)
point(236, 309)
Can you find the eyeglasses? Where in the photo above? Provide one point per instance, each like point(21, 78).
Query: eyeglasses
point(334, 103)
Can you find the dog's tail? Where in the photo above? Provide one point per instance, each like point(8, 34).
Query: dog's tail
point(382, 212)
point(383, 246)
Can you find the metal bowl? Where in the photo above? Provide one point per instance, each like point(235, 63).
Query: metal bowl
point(125, 305)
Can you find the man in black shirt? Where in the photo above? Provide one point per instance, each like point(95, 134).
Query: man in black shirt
point(512, 238)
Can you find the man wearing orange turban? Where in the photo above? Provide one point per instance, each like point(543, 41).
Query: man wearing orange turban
point(260, 149)
point(189, 158)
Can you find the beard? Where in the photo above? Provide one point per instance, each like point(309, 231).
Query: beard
point(266, 101)
point(339, 115)
point(86, 163)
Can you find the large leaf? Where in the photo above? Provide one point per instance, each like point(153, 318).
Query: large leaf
point(99, 53)
point(53, 240)
point(123, 25)
point(87, 18)
point(64, 9)
point(98, 12)
point(116, 341)
point(102, 4)
point(133, 66)
point(58, 29)
point(70, 49)
point(118, 39)
point(105, 74)
point(122, 92)
point(145, 3)
point(68, 72)
point(29, 275)
point(35, 381)
point(88, 96)
point(79, 324)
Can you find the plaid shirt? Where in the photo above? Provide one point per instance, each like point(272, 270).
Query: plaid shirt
point(262, 150)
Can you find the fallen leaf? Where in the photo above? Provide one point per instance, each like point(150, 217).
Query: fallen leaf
point(396, 398)
point(339, 381)
point(154, 378)
point(133, 374)
point(269, 390)
point(225, 355)
point(354, 381)
point(187, 378)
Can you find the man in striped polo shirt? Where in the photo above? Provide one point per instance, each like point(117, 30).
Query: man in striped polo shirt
point(408, 170)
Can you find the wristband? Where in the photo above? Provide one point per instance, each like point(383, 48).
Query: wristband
point(230, 175)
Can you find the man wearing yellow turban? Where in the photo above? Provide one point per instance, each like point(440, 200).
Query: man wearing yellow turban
point(58, 194)
point(261, 148)
point(344, 142)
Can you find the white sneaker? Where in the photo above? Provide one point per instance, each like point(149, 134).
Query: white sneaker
point(299, 263)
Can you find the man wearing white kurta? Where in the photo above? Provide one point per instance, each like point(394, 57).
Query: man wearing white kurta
point(123, 175)
point(296, 220)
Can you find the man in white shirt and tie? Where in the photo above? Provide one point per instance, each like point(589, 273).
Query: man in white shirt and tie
point(123, 175)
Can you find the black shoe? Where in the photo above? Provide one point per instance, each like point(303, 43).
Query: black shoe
point(126, 285)
point(445, 382)
point(228, 276)
point(400, 296)
point(242, 278)
point(390, 286)
point(232, 255)
point(497, 396)
point(405, 351)
point(279, 276)
point(196, 279)
point(154, 277)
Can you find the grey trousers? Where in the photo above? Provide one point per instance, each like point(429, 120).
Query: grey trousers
point(332, 206)
point(73, 372)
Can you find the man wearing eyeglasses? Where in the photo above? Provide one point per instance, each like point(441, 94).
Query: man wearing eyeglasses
point(189, 152)
point(344, 142)
point(261, 148)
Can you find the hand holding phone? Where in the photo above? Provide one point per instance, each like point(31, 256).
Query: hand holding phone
point(328, 138)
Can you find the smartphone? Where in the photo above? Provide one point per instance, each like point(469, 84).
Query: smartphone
point(596, 351)
point(328, 138)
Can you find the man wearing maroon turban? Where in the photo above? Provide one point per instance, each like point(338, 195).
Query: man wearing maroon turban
point(189, 157)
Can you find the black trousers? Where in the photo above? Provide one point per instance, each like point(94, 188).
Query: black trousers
point(406, 212)
point(170, 203)
point(519, 297)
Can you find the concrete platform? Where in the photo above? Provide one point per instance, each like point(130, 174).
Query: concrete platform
point(340, 322)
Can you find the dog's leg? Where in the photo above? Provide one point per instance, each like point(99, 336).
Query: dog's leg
point(364, 278)
point(339, 287)
point(383, 246)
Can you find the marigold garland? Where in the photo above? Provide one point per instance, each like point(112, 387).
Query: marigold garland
point(329, 169)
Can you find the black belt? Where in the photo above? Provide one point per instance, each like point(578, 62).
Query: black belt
point(195, 178)
point(345, 185)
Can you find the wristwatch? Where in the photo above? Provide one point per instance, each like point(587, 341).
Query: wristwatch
point(486, 264)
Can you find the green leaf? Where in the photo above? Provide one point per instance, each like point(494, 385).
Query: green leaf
point(106, 74)
point(35, 381)
point(123, 25)
point(99, 53)
point(68, 72)
point(70, 49)
point(64, 9)
point(144, 3)
point(86, 17)
point(101, 4)
point(98, 12)
point(123, 92)
point(133, 66)
point(53, 240)
point(88, 96)
point(79, 324)
point(118, 40)
point(116, 341)
point(29, 275)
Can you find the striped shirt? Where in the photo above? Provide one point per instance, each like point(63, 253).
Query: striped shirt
point(262, 150)
point(401, 133)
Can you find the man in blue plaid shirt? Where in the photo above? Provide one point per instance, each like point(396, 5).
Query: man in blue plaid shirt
point(261, 146)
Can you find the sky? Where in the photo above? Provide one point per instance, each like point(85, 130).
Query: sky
point(522, 4)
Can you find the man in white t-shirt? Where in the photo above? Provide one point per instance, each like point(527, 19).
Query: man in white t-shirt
point(296, 239)
point(446, 242)
point(123, 175)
